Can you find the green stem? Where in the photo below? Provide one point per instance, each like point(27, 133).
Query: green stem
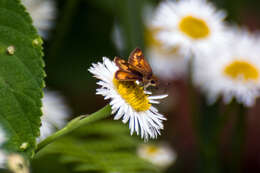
point(63, 27)
point(209, 137)
point(238, 138)
point(132, 23)
point(74, 124)
point(206, 123)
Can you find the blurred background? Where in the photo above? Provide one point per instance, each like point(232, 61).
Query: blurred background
point(86, 30)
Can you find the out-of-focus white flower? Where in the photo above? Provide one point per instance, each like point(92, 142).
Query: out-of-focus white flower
point(2, 153)
point(118, 38)
point(43, 13)
point(129, 101)
point(2, 137)
point(166, 62)
point(160, 155)
point(232, 71)
point(55, 114)
point(189, 25)
point(17, 164)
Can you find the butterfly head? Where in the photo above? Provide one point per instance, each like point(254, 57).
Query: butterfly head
point(151, 81)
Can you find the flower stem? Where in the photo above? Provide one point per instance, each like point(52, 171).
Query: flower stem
point(238, 138)
point(63, 26)
point(74, 124)
point(208, 129)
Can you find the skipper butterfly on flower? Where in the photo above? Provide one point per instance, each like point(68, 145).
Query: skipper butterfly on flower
point(136, 69)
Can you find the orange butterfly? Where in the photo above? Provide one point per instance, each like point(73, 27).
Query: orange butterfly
point(136, 69)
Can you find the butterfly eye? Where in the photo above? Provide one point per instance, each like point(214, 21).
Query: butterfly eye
point(152, 82)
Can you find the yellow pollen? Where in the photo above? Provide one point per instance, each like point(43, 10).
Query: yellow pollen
point(151, 40)
point(133, 94)
point(152, 149)
point(243, 69)
point(194, 27)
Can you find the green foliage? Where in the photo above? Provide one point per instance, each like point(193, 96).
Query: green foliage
point(131, 23)
point(101, 147)
point(21, 77)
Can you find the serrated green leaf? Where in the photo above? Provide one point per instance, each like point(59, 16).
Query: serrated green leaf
point(21, 77)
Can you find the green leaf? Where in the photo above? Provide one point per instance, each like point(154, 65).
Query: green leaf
point(21, 77)
point(102, 147)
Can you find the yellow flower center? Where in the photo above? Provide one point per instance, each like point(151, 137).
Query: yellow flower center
point(238, 69)
point(151, 40)
point(194, 27)
point(133, 94)
point(152, 150)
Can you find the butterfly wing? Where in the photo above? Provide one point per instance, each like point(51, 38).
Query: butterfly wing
point(122, 64)
point(126, 76)
point(137, 61)
point(126, 72)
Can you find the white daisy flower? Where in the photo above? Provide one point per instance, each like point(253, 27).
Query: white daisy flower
point(166, 62)
point(43, 13)
point(234, 71)
point(160, 155)
point(189, 25)
point(129, 101)
point(55, 114)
